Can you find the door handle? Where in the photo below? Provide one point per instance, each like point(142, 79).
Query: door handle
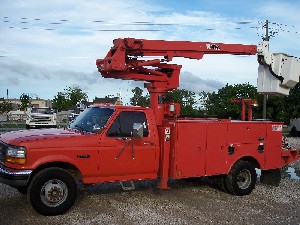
point(148, 143)
point(122, 138)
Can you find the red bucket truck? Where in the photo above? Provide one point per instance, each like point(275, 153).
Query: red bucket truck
point(124, 143)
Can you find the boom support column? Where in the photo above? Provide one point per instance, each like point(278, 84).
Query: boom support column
point(157, 104)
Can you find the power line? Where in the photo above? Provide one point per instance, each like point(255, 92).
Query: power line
point(100, 25)
point(275, 29)
point(26, 23)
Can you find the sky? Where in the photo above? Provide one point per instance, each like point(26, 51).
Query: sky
point(46, 46)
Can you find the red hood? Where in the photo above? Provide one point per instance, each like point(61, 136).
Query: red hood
point(16, 137)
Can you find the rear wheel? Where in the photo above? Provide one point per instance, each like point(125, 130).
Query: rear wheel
point(241, 179)
point(53, 191)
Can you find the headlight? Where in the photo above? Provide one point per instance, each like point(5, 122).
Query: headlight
point(16, 155)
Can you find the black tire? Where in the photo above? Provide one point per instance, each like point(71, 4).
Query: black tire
point(52, 191)
point(294, 132)
point(22, 190)
point(241, 178)
point(221, 183)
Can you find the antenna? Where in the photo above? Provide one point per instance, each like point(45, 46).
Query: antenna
point(267, 31)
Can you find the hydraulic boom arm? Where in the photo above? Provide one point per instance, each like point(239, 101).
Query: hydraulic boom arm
point(126, 60)
point(122, 61)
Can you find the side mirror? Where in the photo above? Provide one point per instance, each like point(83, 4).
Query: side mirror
point(97, 129)
point(137, 130)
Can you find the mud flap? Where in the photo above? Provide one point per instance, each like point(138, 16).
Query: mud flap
point(271, 177)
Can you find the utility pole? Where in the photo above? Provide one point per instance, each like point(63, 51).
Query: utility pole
point(265, 95)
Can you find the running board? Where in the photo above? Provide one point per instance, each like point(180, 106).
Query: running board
point(128, 188)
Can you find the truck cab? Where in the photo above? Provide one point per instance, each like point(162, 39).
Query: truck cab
point(99, 146)
point(121, 156)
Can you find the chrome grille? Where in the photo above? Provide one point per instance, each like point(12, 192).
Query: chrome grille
point(40, 118)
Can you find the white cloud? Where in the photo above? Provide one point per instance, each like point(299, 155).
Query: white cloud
point(194, 83)
point(49, 81)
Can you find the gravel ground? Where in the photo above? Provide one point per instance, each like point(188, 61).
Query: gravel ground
point(198, 202)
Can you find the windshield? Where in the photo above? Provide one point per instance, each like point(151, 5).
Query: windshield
point(91, 117)
point(42, 110)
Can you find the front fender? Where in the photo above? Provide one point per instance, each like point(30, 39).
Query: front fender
point(53, 159)
point(86, 161)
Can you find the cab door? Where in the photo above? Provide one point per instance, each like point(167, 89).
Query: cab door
point(122, 157)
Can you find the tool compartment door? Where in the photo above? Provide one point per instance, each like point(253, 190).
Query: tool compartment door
point(247, 138)
point(273, 149)
point(188, 149)
point(216, 152)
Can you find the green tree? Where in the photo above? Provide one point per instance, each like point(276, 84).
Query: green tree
point(187, 100)
point(219, 103)
point(25, 101)
point(5, 106)
point(60, 102)
point(70, 97)
point(279, 108)
point(292, 103)
point(283, 108)
point(138, 98)
point(275, 108)
point(75, 95)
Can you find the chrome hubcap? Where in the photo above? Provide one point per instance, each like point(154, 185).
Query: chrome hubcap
point(244, 179)
point(54, 193)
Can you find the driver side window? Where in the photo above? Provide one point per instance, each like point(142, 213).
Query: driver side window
point(122, 127)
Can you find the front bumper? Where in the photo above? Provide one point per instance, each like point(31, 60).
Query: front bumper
point(13, 177)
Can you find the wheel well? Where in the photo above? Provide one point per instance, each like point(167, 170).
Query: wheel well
point(73, 170)
point(251, 160)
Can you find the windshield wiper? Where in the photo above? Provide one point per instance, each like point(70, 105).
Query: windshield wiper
point(80, 127)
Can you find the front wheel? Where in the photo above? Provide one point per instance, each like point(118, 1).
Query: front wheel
point(52, 191)
point(241, 179)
